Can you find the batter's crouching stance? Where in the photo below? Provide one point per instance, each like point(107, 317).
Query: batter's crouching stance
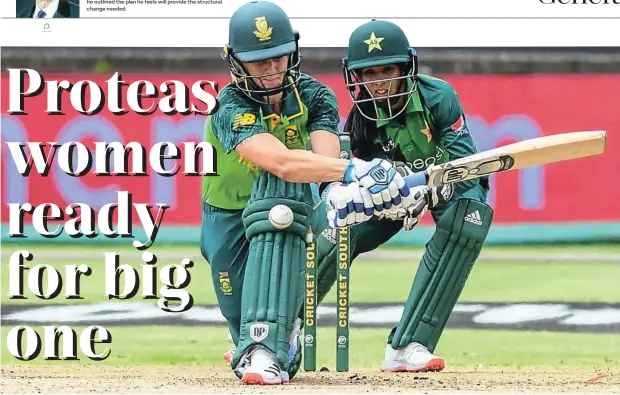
point(267, 119)
point(414, 121)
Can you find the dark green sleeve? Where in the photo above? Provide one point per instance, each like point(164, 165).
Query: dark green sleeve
point(235, 121)
point(450, 120)
point(323, 110)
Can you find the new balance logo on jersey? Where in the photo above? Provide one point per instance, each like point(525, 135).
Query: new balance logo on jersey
point(259, 332)
point(474, 218)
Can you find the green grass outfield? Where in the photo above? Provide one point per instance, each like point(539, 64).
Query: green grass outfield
point(371, 281)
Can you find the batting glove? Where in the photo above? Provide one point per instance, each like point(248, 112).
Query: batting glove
point(424, 198)
point(386, 186)
point(347, 204)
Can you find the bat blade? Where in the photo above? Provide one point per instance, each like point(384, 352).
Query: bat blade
point(527, 153)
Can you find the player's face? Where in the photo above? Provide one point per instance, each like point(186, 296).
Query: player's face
point(271, 69)
point(384, 75)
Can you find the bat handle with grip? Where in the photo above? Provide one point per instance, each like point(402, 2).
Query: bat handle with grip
point(416, 179)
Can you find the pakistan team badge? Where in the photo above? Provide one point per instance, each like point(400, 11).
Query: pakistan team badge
point(427, 131)
point(263, 30)
point(374, 42)
point(225, 284)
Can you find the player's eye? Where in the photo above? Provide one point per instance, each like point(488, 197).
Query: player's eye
point(390, 70)
point(261, 63)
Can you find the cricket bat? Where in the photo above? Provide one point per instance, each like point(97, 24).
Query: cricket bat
point(532, 152)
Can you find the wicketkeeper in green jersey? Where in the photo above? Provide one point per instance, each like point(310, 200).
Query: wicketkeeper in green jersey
point(267, 118)
point(414, 121)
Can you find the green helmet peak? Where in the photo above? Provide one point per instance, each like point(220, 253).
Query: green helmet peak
point(377, 43)
point(380, 92)
point(258, 31)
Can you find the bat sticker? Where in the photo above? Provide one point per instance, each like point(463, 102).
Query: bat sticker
point(476, 169)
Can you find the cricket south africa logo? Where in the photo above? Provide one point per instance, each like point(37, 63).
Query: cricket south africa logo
point(263, 30)
point(225, 285)
point(291, 136)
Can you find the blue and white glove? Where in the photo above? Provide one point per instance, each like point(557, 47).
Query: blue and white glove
point(386, 186)
point(347, 204)
point(424, 198)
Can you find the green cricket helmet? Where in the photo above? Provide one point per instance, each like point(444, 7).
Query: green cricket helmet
point(379, 43)
point(258, 31)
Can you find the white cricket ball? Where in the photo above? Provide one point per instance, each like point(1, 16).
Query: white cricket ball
point(281, 216)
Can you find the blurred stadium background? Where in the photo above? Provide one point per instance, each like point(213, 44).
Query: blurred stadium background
point(509, 94)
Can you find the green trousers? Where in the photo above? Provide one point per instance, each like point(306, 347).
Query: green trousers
point(224, 246)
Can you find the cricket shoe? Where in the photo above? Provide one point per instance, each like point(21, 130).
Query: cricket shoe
point(413, 358)
point(294, 356)
point(230, 354)
point(263, 369)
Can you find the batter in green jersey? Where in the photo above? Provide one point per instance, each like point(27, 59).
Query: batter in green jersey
point(259, 208)
point(414, 121)
point(311, 107)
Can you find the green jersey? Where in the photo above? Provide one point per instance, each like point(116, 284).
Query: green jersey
point(309, 107)
point(431, 130)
